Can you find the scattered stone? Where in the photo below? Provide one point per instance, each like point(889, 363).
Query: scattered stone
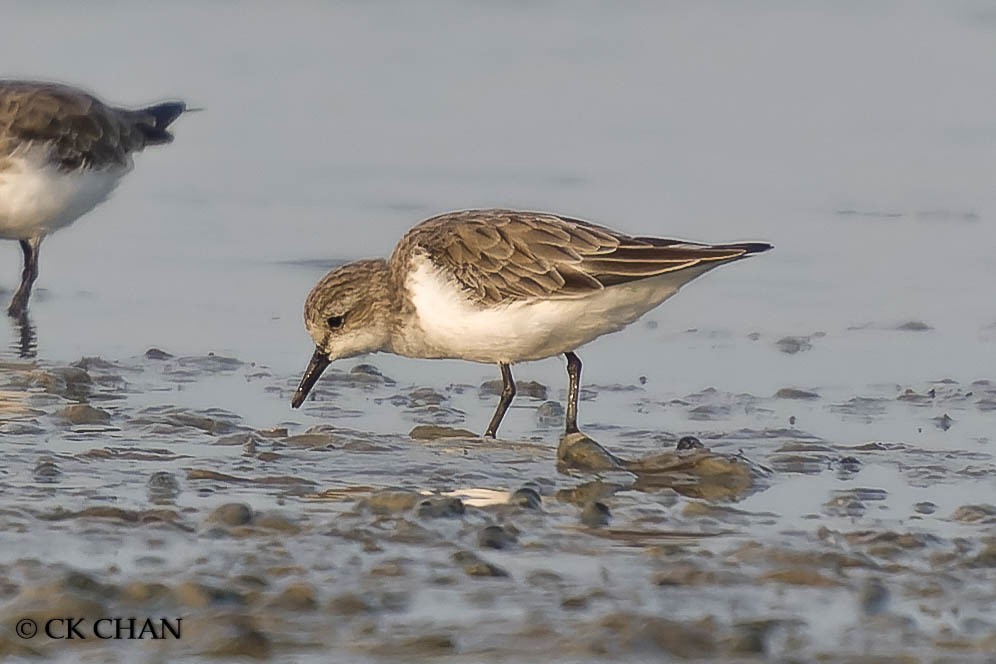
point(580, 452)
point(349, 604)
point(236, 636)
point(800, 577)
point(311, 439)
point(925, 507)
point(844, 504)
point(689, 443)
point(211, 363)
point(628, 633)
point(368, 373)
point(424, 647)
point(986, 558)
point(296, 597)
point(231, 514)
point(81, 413)
point(690, 574)
point(144, 592)
point(596, 514)
point(914, 326)
point(162, 487)
point(435, 431)
point(697, 474)
point(574, 603)
point(440, 507)
point(474, 565)
point(975, 514)
point(794, 393)
point(793, 345)
point(526, 497)
point(523, 388)
point(201, 596)
point(157, 354)
point(277, 522)
point(874, 597)
point(550, 413)
point(426, 396)
point(849, 464)
point(46, 470)
point(391, 501)
point(495, 537)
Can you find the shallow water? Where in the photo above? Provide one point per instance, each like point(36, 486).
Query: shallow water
point(847, 366)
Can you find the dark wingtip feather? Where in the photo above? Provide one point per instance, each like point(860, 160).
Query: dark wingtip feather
point(166, 113)
point(749, 247)
point(162, 115)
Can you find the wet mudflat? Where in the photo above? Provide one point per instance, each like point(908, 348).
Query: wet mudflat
point(742, 535)
point(833, 400)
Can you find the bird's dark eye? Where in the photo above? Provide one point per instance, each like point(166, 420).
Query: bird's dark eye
point(335, 322)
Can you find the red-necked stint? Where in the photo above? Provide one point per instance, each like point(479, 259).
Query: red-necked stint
point(500, 286)
point(62, 152)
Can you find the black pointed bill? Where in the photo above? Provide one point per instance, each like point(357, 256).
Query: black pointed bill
point(319, 362)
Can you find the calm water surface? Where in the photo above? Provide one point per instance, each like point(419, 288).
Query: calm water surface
point(859, 138)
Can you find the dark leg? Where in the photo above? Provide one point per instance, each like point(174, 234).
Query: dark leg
point(19, 303)
point(574, 372)
point(507, 394)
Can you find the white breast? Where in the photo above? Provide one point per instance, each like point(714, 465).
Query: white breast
point(36, 198)
point(448, 325)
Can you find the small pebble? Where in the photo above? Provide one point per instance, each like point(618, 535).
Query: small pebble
point(850, 463)
point(495, 537)
point(474, 565)
point(296, 597)
point(550, 412)
point(596, 514)
point(689, 443)
point(527, 498)
point(162, 486)
point(157, 354)
point(231, 514)
point(434, 508)
point(874, 597)
point(81, 413)
point(46, 470)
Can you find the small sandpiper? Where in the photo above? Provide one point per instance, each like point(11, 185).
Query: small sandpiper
point(500, 287)
point(62, 152)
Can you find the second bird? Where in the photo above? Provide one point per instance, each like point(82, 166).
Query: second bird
point(62, 152)
point(500, 286)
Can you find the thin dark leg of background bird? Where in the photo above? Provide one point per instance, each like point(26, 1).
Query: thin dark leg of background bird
point(19, 303)
point(507, 394)
point(574, 372)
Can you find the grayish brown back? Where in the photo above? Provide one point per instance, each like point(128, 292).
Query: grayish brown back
point(81, 130)
point(505, 255)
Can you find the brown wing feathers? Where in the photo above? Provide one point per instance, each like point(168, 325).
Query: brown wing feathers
point(502, 255)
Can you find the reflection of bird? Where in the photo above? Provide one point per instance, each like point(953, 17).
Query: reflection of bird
point(62, 152)
point(26, 345)
point(500, 286)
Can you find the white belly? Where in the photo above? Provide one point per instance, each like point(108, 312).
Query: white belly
point(448, 325)
point(37, 199)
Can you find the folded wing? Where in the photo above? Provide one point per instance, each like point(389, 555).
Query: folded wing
point(504, 255)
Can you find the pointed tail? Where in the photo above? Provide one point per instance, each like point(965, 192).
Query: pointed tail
point(154, 120)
